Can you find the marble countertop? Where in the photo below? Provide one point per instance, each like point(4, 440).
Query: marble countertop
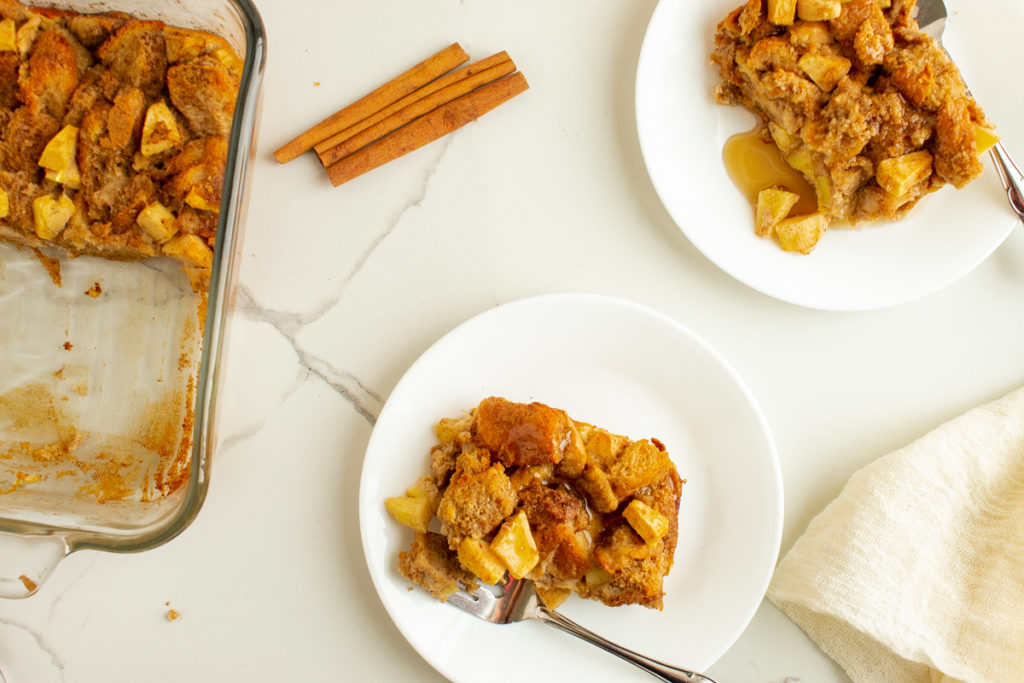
point(548, 193)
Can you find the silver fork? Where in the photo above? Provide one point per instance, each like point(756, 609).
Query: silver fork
point(517, 601)
point(931, 18)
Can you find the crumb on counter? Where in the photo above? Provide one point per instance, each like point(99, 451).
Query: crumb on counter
point(95, 290)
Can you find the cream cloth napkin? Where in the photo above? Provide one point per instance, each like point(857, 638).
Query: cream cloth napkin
point(915, 573)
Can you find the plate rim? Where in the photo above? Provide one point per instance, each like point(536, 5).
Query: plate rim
point(763, 430)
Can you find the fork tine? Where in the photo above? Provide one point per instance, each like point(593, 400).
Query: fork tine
point(479, 603)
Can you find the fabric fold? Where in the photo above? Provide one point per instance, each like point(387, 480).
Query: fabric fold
point(915, 573)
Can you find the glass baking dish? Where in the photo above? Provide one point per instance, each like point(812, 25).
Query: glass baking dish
point(109, 382)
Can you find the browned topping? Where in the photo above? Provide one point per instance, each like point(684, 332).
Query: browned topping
point(522, 434)
point(113, 136)
point(572, 482)
point(866, 106)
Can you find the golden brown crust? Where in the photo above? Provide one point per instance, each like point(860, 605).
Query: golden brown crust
point(572, 481)
point(102, 75)
point(848, 94)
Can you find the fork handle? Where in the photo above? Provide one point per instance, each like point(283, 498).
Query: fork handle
point(670, 674)
point(1011, 177)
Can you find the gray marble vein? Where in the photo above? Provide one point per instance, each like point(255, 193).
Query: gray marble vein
point(40, 640)
point(363, 399)
point(288, 324)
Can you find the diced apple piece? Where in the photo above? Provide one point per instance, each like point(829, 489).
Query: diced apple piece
point(646, 521)
point(200, 197)
point(885, 4)
point(984, 138)
point(773, 204)
point(818, 10)
point(414, 513)
point(423, 488)
point(189, 249)
point(552, 597)
point(825, 70)
point(7, 36)
point(449, 428)
point(26, 35)
point(58, 158)
point(801, 161)
point(784, 140)
point(515, 546)
point(476, 556)
point(159, 130)
point(50, 215)
point(157, 221)
point(897, 175)
point(5, 205)
point(596, 577)
point(781, 12)
point(801, 233)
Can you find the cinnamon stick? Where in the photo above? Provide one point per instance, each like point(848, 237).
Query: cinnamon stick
point(415, 110)
point(428, 89)
point(427, 128)
point(395, 89)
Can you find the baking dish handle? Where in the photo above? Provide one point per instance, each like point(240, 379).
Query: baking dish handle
point(27, 561)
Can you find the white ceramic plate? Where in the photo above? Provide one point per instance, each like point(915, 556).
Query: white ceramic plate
point(682, 132)
point(635, 372)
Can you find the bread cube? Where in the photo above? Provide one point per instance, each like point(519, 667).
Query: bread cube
point(157, 221)
point(825, 70)
point(781, 12)
point(897, 175)
point(646, 521)
point(515, 546)
point(476, 556)
point(414, 513)
point(474, 505)
point(773, 205)
point(801, 233)
point(50, 215)
point(432, 566)
point(642, 463)
point(818, 10)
